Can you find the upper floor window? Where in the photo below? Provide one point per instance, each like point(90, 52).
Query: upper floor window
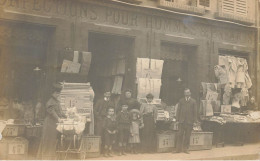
point(205, 3)
point(236, 7)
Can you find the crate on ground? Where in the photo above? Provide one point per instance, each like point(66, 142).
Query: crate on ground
point(14, 130)
point(201, 140)
point(174, 126)
point(90, 147)
point(166, 141)
point(33, 131)
point(13, 148)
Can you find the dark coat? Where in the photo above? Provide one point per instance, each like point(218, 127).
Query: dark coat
point(100, 109)
point(187, 111)
point(131, 102)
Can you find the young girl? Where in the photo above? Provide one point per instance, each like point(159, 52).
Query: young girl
point(136, 124)
point(109, 131)
point(123, 120)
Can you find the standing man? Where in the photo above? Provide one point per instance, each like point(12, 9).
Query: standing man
point(186, 117)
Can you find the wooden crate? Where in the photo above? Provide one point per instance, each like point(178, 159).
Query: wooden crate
point(174, 126)
point(33, 131)
point(166, 142)
point(13, 148)
point(201, 140)
point(90, 147)
point(14, 130)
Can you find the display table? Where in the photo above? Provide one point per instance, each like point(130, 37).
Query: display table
point(234, 129)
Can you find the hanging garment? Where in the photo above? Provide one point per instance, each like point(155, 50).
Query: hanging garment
point(211, 95)
point(118, 67)
point(240, 77)
point(121, 64)
point(227, 94)
point(221, 74)
point(204, 89)
point(244, 97)
point(85, 63)
point(223, 61)
point(156, 68)
point(141, 65)
point(248, 82)
point(146, 85)
point(117, 87)
point(149, 68)
point(236, 100)
point(232, 70)
point(206, 108)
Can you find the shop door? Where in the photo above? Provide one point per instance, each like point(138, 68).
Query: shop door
point(112, 56)
point(175, 72)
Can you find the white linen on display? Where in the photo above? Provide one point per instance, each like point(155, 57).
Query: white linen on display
point(236, 69)
point(146, 85)
point(146, 67)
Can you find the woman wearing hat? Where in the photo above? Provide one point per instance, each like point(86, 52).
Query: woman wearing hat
point(47, 148)
point(128, 100)
point(149, 113)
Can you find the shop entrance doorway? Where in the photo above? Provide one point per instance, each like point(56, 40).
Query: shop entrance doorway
point(176, 72)
point(112, 63)
point(23, 60)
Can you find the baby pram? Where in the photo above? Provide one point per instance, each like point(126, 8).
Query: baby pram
point(69, 142)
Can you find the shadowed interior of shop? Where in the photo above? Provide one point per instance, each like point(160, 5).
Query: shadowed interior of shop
point(177, 71)
point(23, 66)
point(112, 65)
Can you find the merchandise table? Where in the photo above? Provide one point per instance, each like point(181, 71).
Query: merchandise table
point(236, 133)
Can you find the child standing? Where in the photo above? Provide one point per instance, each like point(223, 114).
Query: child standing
point(136, 124)
point(123, 120)
point(110, 129)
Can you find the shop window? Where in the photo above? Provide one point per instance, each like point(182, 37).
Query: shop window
point(237, 7)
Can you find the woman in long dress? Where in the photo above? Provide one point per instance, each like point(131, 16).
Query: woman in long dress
point(149, 113)
point(47, 148)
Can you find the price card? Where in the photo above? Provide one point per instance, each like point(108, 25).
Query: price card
point(166, 141)
point(16, 149)
point(92, 145)
point(196, 139)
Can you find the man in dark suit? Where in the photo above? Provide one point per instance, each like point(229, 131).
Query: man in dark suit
point(186, 117)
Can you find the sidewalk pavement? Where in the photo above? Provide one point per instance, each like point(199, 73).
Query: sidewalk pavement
point(246, 152)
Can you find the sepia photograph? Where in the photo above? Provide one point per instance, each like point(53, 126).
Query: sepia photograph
point(129, 79)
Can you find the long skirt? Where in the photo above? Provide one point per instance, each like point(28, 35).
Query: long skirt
point(47, 147)
point(148, 133)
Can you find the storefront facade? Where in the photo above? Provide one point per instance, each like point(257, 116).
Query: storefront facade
point(190, 44)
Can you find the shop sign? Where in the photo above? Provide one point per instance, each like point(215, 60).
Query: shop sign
point(87, 12)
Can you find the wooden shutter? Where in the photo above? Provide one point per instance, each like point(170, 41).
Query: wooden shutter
point(205, 3)
point(228, 6)
point(241, 7)
point(237, 7)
